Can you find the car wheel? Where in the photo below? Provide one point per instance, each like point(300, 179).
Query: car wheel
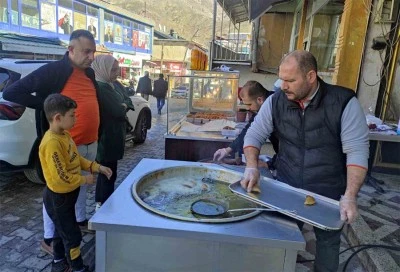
point(140, 132)
point(35, 174)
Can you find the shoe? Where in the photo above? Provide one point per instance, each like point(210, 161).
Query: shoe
point(159, 112)
point(84, 226)
point(61, 266)
point(46, 248)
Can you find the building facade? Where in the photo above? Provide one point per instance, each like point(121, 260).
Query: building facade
point(129, 37)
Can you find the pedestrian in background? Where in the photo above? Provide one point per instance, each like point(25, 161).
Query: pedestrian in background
point(323, 144)
point(160, 92)
point(62, 164)
point(144, 86)
point(113, 127)
point(72, 77)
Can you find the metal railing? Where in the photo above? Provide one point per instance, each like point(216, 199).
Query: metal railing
point(230, 51)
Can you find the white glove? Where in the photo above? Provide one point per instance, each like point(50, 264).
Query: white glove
point(220, 154)
point(348, 209)
point(251, 177)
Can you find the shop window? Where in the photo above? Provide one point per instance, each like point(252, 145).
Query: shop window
point(127, 23)
point(135, 25)
point(108, 17)
point(141, 27)
point(79, 20)
point(3, 11)
point(48, 16)
point(65, 3)
point(93, 11)
point(117, 20)
point(80, 7)
point(14, 12)
point(323, 35)
point(30, 13)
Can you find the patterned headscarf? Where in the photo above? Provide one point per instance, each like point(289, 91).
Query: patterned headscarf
point(102, 66)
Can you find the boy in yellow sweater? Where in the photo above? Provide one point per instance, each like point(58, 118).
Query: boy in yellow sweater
point(62, 167)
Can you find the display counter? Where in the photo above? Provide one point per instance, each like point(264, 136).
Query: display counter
point(210, 96)
point(132, 238)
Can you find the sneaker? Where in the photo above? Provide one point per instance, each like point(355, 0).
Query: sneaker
point(84, 226)
point(46, 248)
point(61, 266)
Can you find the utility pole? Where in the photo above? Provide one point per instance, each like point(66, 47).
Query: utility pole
point(211, 54)
point(162, 58)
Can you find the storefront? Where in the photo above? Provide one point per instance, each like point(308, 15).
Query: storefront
point(168, 68)
point(29, 47)
point(131, 65)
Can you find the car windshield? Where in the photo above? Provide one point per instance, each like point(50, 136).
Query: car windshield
point(7, 77)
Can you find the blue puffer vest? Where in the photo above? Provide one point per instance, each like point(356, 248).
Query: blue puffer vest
point(310, 149)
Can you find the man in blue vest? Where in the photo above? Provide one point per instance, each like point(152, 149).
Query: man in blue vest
point(323, 143)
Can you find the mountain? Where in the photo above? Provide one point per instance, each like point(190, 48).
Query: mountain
point(190, 19)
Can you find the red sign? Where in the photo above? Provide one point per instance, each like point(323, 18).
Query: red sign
point(174, 67)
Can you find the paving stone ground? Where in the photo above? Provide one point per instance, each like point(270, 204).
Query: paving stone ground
point(21, 227)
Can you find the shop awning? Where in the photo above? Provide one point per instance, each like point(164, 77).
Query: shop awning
point(247, 10)
point(32, 45)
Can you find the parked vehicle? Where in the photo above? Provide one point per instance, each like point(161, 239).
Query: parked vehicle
point(19, 142)
point(180, 92)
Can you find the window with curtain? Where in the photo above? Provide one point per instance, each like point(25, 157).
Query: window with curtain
point(92, 11)
point(30, 13)
point(48, 15)
point(323, 35)
point(65, 3)
point(14, 12)
point(3, 11)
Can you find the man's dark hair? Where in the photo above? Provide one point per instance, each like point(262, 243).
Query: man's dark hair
point(304, 59)
point(255, 89)
point(161, 75)
point(57, 103)
point(76, 34)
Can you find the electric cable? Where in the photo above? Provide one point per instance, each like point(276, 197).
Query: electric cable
point(396, 248)
point(361, 248)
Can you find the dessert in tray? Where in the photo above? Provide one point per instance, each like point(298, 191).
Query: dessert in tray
point(204, 117)
point(208, 115)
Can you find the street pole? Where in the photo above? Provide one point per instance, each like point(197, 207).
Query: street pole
point(211, 55)
point(162, 58)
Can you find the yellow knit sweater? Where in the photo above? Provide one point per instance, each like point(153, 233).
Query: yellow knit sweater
point(62, 163)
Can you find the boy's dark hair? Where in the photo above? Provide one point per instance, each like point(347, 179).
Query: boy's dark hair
point(255, 89)
point(76, 34)
point(161, 75)
point(57, 103)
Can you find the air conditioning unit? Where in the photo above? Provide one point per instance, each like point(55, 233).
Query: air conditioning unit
point(386, 11)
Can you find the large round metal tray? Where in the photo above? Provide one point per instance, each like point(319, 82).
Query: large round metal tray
point(162, 191)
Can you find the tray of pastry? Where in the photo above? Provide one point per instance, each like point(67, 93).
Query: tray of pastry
point(305, 206)
point(205, 117)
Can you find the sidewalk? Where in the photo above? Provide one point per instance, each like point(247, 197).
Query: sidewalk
point(21, 226)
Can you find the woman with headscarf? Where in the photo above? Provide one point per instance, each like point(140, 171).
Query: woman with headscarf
point(113, 126)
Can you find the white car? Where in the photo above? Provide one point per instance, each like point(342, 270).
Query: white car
point(18, 138)
point(180, 92)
